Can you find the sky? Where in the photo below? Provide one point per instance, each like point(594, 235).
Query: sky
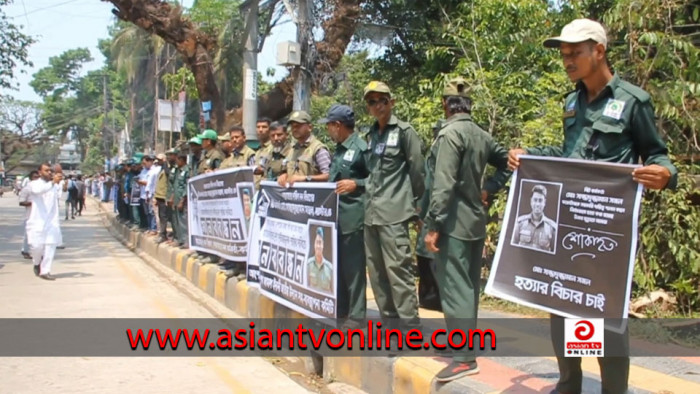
point(59, 25)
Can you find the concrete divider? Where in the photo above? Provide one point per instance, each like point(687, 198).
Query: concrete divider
point(372, 374)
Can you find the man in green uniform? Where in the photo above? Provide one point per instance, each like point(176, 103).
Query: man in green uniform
point(170, 194)
point(241, 154)
point(349, 171)
point(319, 271)
point(309, 160)
point(212, 156)
point(196, 154)
point(534, 230)
point(180, 200)
point(605, 119)
point(456, 219)
point(278, 150)
point(396, 182)
point(262, 155)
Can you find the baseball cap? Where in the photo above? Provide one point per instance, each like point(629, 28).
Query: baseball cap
point(209, 134)
point(160, 156)
point(225, 137)
point(579, 30)
point(172, 151)
point(300, 117)
point(377, 86)
point(137, 157)
point(456, 87)
point(196, 140)
point(339, 113)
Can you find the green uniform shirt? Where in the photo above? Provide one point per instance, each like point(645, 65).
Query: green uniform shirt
point(172, 177)
point(210, 160)
point(617, 126)
point(181, 184)
point(277, 164)
point(535, 234)
point(397, 172)
point(319, 277)
point(350, 162)
point(457, 162)
point(242, 158)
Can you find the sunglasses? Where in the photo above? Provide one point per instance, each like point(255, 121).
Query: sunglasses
point(382, 101)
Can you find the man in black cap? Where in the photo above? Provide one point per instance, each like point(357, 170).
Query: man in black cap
point(349, 171)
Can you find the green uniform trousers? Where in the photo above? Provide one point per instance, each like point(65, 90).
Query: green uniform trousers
point(614, 371)
point(182, 229)
point(352, 281)
point(458, 274)
point(389, 263)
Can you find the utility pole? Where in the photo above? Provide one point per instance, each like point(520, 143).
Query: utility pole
point(250, 73)
point(302, 84)
point(104, 116)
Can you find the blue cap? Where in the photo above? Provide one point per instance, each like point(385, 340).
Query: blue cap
point(339, 113)
point(319, 231)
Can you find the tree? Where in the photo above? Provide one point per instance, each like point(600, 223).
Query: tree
point(20, 131)
point(197, 47)
point(14, 48)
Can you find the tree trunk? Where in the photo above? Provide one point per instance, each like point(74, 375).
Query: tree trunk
point(166, 20)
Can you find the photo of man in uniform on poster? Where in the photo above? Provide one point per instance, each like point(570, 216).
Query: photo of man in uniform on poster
point(246, 195)
point(319, 270)
point(535, 230)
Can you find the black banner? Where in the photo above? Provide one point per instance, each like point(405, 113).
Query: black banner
point(569, 238)
point(293, 250)
point(219, 210)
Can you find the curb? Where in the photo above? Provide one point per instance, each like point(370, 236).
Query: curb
point(371, 374)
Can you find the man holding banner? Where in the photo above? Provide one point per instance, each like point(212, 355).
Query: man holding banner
point(605, 119)
point(349, 171)
point(456, 219)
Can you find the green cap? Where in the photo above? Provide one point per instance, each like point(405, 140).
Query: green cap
point(299, 117)
point(225, 137)
point(456, 87)
point(209, 134)
point(137, 157)
point(195, 140)
point(377, 86)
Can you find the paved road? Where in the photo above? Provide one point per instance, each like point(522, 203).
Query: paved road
point(99, 278)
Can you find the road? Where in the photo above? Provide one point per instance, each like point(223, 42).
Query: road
point(97, 277)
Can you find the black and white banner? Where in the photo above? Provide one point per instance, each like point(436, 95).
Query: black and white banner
point(569, 238)
point(219, 209)
point(293, 250)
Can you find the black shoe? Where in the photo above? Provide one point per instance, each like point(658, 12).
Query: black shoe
point(61, 247)
point(47, 277)
point(457, 370)
point(36, 270)
point(26, 255)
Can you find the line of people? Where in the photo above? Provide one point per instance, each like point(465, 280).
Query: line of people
point(385, 185)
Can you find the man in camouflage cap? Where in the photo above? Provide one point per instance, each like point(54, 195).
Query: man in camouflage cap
point(273, 164)
point(309, 160)
point(173, 170)
point(394, 186)
point(456, 217)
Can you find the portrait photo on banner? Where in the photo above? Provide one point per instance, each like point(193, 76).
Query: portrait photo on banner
point(245, 194)
point(537, 218)
point(319, 263)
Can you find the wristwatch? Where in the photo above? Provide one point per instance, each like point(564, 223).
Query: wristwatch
point(308, 178)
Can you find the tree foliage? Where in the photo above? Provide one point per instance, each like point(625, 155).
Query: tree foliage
point(14, 48)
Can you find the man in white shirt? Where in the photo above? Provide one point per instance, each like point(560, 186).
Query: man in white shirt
point(26, 202)
point(144, 201)
point(43, 231)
